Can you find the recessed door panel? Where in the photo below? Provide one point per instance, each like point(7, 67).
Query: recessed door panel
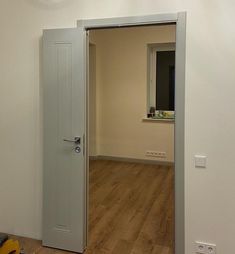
point(64, 121)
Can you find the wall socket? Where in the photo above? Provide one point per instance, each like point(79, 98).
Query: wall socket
point(155, 154)
point(205, 248)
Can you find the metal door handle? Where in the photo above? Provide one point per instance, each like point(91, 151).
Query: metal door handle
point(76, 140)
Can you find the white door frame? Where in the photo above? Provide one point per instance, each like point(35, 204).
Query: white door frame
point(180, 20)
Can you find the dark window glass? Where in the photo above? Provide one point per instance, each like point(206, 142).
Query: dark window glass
point(165, 80)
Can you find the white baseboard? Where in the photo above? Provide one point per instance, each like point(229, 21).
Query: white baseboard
point(134, 160)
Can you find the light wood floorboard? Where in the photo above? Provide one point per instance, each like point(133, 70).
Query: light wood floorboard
point(131, 210)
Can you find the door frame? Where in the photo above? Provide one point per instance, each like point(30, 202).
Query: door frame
point(179, 19)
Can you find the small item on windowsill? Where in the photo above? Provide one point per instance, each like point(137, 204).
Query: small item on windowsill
point(161, 114)
point(165, 114)
point(152, 112)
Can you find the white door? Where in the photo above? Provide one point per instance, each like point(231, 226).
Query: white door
point(64, 188)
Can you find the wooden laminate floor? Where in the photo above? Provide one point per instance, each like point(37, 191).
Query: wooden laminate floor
point(131, 210)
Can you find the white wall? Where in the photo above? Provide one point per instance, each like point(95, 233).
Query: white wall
point(121, 101)
point(210, 104)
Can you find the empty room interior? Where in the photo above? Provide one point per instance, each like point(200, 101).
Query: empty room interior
point(131, 140)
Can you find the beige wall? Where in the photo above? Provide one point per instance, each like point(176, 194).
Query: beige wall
point(209, 121)
point(92, 101)
point(122, 94)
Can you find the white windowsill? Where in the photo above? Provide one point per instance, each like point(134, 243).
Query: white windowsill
point(146, 119)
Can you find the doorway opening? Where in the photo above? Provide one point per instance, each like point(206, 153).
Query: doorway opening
point(125, 151)
point(131, 139)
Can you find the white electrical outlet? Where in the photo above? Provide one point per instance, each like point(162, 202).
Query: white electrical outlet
point(211, 249)
point(200, 248)
point(205, 248)
point(155, 154)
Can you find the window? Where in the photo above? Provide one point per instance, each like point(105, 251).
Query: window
point(161, 77)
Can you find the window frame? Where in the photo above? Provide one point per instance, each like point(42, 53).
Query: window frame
point(153, 48)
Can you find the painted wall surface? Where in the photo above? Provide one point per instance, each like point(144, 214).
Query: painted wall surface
point(209, 122)
point(121, 101)
point(92, 101)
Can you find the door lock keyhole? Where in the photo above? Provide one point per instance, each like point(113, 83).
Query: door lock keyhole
point(77, 149)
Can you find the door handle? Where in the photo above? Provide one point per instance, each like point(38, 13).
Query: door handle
point(76, 140)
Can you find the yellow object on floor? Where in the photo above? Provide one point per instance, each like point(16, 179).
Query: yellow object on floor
point(8, 246)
